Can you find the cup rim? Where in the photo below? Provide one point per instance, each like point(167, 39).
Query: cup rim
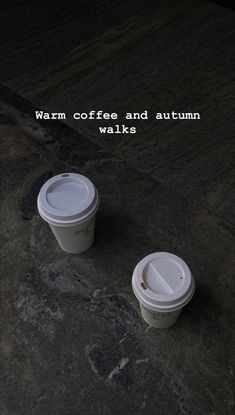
point(167, 302)
point(57, 218)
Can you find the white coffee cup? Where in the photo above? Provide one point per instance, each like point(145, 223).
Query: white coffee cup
point(163, 285)
point(69, 202)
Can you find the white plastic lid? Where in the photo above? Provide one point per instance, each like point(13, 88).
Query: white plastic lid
point(67, 199)
point(163, 282)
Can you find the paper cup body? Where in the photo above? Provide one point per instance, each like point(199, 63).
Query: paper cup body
point(158, 319)
point(75, 239)
point(69, 202)
point(163, 285)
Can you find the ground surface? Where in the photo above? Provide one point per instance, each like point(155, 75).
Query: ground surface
point(72, 340)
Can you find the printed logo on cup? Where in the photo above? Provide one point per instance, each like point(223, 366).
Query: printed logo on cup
point(156, 314)
point(85, 231)
point(163, 285)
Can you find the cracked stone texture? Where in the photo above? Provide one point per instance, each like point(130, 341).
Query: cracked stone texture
point(72, 339)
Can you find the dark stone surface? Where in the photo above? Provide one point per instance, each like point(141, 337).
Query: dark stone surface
point(28, 204)
point(226, 3)
point(157, 56)
point(72, 340)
